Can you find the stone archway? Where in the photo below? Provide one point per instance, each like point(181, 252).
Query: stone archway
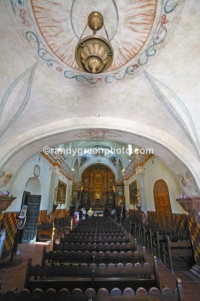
point(162, 205)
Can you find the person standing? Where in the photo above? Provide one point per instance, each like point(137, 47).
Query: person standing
point(90, 213)
point(76, 213)
point(83, 213)
point(75, 218)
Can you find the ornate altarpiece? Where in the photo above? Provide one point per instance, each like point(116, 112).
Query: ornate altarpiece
point(98, 187)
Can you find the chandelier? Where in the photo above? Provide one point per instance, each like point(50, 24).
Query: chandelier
point(94, 54)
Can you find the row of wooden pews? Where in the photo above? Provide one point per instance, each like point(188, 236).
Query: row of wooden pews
point(90, 294)
point(99, 275)
point(164, 244)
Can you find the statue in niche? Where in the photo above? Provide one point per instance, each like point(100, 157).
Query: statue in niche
point(110, 199)
point(98, 179)
point(82, 160)
point(113, 160)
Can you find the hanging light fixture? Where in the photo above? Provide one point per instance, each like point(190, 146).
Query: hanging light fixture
point(94, 54)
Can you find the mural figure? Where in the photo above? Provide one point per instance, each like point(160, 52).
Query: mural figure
point(188, 182)
point(4, 178)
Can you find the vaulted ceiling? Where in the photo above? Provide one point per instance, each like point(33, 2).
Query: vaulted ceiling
point(148, 97)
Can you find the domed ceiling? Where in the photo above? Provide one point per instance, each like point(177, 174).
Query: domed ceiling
point(137, 30)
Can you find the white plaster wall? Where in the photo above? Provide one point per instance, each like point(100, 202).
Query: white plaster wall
point(159, 170)
point(20, 180)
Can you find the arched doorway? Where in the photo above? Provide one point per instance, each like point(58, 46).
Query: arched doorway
point(98, 187)
point(33, 186)
point(162, 205)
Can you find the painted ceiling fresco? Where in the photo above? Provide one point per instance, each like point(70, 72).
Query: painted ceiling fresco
point(137, 30)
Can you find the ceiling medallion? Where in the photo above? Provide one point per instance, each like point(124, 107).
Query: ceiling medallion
point(93, 53)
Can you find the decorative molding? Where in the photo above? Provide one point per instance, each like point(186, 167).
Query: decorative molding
point(96, 134)
point(62, 166)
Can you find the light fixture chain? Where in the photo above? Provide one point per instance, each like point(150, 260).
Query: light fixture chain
point(83, 32)
point(106, 33)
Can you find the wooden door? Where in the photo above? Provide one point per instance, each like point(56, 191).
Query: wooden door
point(30, 228)
point(162, 205)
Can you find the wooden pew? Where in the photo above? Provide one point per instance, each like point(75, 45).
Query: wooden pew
point(92, 239)
point(121, 276)
point(157, 237)
point(115, 294)
point(130, 246)
point(45, 232)
point(90, 257)
point(170, 249)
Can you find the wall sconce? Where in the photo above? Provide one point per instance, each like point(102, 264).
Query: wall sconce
point(94, 54)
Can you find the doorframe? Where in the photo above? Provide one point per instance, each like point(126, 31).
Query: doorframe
point(24, 202)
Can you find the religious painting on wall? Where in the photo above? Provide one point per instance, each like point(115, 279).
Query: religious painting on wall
point(133, 193)
point(120, 200)
point(61, 194)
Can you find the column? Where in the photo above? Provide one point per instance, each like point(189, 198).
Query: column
point(53, 188)
point(141, 193)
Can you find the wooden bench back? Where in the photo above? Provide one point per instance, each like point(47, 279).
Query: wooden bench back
point(102, 294)
point(79, 256)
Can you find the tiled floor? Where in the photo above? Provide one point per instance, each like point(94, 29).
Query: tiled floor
point(15, 276)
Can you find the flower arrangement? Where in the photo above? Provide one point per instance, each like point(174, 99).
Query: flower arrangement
point(184, 196)
point(6, 194)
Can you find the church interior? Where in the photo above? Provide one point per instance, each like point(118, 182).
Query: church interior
point(99, 110)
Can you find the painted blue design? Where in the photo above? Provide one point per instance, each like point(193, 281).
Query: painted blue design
point(43, 54)
point(151, 51)
point(117, 76)
point(22, 104)
point(175, 114)
point(170, 6)
point(14, 4)
point(80, 78)
point(31, 36)
point(20, 2)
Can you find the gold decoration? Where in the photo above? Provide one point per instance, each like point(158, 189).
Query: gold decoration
point(93, 53)
point(95, 21)
point(94, 57)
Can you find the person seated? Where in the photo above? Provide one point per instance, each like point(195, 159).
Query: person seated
point(90, 213)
